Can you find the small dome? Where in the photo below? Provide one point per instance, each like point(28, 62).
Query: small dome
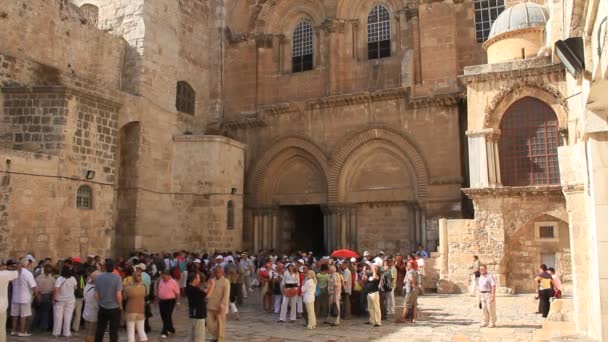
point(522, 15)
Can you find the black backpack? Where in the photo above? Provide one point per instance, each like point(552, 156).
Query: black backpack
point(386, 283)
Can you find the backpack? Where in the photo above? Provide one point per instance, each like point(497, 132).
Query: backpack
point(385, 282)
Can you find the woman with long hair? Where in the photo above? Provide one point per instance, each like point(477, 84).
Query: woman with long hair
point(63, 302)
point(308, 297)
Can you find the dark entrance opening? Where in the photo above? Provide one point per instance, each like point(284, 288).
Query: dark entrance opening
point(304, 224)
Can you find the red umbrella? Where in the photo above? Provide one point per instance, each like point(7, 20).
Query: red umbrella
point(344, 253)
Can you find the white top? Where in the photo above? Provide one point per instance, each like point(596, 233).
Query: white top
point(90, 303)
point(22, 287)
point(5, 278)
point(293, 279)
point(66, 289)
point(308, 291)
point(486, 282)
point(420, 262)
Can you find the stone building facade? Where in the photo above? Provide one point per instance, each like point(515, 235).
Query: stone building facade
point(311, 124)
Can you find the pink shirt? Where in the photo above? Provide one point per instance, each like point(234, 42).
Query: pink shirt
point(168, 289)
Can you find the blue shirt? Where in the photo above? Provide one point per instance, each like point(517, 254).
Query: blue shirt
point(107, 285)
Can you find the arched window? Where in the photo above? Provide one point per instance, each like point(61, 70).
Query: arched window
point(185, 98)
point(302, 47)
point(91, 13)
point(528, 144)
point(84, 197)
point(230, 215)
point(378, 33)
point(486, 11)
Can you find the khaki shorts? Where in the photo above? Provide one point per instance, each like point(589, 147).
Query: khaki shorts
point(411, 298)
point(21, 310)
point(90, 328)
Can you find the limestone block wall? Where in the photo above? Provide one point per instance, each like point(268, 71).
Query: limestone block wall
point(385, 227)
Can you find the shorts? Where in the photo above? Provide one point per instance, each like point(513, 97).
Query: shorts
point(90, 328)
point(411, 298)
point(21, 310)
point(183, 280)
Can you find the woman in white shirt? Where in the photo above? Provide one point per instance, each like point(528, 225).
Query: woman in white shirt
point(289, 286)
point(63, 302)
point(309, 290)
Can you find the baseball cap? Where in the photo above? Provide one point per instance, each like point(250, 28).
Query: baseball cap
point(353, 259)
point(366, 253)
point(141, 266)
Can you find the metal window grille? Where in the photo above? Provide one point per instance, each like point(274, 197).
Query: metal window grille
point(546, 232)
point(185, 98)
point(528, 144)
point(378, 33)
point(91, 13)
point(230, 215)
point(302, 47)
point(84, 197)
point(486, 11)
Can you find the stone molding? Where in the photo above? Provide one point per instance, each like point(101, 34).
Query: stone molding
point(245, 123)
point(573, 188)
point(512, 70)
point(510, 34)
point(343, 153)
point(62, 91)
point(446, 180)
point(186, 138)
point(515, 191)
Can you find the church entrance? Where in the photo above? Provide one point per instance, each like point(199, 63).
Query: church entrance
point(302, 228)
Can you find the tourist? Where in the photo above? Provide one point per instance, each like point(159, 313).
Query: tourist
point(308, 297)
point(217, 304)
point(246, 267)
point(421, 272)
point(79, 273)
point(556, 282)
point(348, 289)
point(90, 307)
point(391, 272)
point(302, 270)
point(276, 279)
point(420, 250)
point(147, 281)
point(21, 302)
point(487, 296)
point(135, 310)
point(45, 283)
point(108, 291)
point(400, 266)
point(233, 277)
point(197, 310)
point(289, 288)
point(545, 284)
point(6, 276)
point(266, 291)
point(334, 290)
point(168, 297)
point(372, 280)
point(411, 289)
point(63, 302)
point(322, 300)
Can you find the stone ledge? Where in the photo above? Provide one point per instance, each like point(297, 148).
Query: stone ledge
point(208, 138)
point(515, 191)
point(512, 69)
point(61, 90)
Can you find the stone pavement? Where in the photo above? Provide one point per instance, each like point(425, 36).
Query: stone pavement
point(442, 318)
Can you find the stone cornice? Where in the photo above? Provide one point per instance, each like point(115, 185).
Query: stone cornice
point(446, 180)
point(510, 34)
point(573, 188)
point(188, 138)
point(62, 90)
point(250, 122)
point(439, 100)
point(515, 191)
point(511, 70)
point(488, 132)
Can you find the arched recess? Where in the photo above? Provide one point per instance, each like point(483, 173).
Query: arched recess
point(357, 9)
point(396, 141)
point(505, 98)
point(290, 153)
point(377, 171)
point(271, 17)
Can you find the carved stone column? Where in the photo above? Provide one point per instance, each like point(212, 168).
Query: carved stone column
point(340, 226)
point(484, 162)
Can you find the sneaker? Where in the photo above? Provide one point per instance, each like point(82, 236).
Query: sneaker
point(376, 325)
point(13, 333)
point(483, 325)
point(281, 321)
point(24, 334)
point(163, 336)
point(491, 325)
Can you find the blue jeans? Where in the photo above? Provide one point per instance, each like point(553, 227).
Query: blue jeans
point(44, 313)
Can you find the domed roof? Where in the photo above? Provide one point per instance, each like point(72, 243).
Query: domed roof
point(522, 15)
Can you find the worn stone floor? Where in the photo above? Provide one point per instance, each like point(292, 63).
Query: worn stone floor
point(442, 318)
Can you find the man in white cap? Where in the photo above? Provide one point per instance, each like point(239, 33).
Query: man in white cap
point(379, 259)
point(367, 258)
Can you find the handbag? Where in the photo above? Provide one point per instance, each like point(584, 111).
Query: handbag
point(290, 292)
point(334, 312)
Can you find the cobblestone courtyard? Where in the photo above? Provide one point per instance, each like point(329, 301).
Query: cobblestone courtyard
point(442, 318)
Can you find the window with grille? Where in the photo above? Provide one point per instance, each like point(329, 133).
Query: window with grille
point(378, 33)
point(546, 232)
point(184, 101)
point(302, 47)
point(528, 144)
point(84, 197)
point(230, 215)
point(91, 13)
point(486, 11)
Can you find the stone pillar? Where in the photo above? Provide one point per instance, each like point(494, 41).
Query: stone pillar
point(276, 230)
point(417, 226)
point(256, 232)
point(354, 239)
point(423, 238)
point(340, 226)
point(443, 248)
point(484, 164)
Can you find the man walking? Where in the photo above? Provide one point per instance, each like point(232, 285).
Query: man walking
point(21, 303)
point(217, 304)
point(487, 292)
point(108, 292)
point(348, 288)
point(6, 276)
point(197, 306)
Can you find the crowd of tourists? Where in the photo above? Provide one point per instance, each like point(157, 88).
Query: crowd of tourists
point(101, 296)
